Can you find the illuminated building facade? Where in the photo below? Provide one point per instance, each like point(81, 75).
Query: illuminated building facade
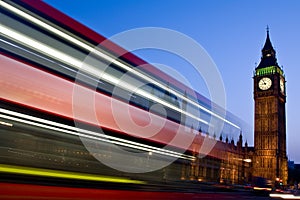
point(227, 163)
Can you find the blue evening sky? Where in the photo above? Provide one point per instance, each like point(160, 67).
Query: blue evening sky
point(233, 33)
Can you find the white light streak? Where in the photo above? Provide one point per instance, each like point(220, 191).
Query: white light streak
point(35, 121)
point(285, 196)
point(69, 60)
point(108, 58)
point(6, 123)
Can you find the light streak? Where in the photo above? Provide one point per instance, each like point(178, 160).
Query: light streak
point(56, 54)
point(63, 174)
point(6, 123)
point(262, 188)
point(109, 58)
point(284, 196)
point(47, 124)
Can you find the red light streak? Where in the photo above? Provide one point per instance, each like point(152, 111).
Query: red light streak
point(23, 84)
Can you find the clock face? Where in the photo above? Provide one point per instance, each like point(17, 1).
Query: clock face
point(282, 85)
point(265, 83)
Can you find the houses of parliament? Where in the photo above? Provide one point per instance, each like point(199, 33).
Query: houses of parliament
point(268, 157)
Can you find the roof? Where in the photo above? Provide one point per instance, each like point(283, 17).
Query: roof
point(268, 54)
point(268, 44)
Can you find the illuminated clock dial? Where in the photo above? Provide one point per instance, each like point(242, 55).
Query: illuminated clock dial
point(265, 83)
point(281, 85)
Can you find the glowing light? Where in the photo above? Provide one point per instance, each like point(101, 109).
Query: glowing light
point(285, 196)
point(63, 174)
point(54, 53)
point(269, 70)
point(260, 188)
point(248, 160)
point(6, 123)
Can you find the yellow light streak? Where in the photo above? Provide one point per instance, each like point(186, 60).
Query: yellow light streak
point(260, 188)
point(11, 169)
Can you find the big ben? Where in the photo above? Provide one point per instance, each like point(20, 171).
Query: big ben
point(270, 159)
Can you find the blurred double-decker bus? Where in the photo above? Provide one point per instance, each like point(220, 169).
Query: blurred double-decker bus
point(68, 113)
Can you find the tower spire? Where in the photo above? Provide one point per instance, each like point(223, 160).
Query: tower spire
point(268, 53)
point(268, 45)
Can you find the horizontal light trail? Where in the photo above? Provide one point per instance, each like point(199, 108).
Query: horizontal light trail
point(35, 121)
point(284, 196)
point(109, 58)
point(63, 174)
point(69, 60)
point(39, 46)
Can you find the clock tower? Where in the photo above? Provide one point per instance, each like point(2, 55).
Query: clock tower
point(270, 159)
